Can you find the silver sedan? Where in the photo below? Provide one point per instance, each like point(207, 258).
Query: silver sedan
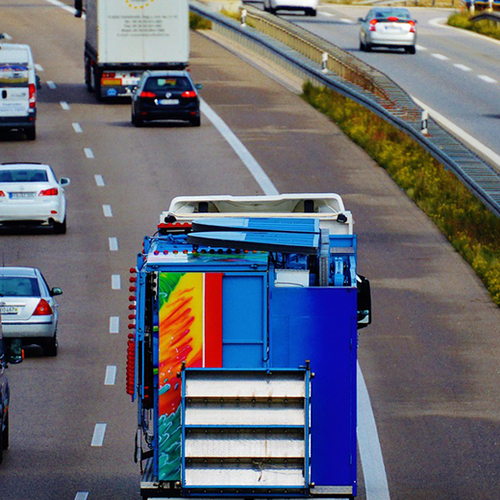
point(28, 308)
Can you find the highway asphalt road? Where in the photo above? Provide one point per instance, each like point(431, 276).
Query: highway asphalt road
point(453, 72)
point(430, 359)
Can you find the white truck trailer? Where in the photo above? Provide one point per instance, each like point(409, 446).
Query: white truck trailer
point(124, 38)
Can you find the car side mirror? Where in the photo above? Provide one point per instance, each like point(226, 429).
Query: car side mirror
point(364, 302)
point(38, 83)
point(15, 352)
point(361, 20)
point(64, 181)
point(56, 291)
point(198, 86)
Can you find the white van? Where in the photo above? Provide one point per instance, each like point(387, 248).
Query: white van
point(18, 85)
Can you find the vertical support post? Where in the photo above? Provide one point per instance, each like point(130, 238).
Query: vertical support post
point(324, 62)
point(244, 17)
point(423, 124)
point(472, 8)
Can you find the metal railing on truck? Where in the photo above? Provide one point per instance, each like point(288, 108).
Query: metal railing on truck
point(302, 54)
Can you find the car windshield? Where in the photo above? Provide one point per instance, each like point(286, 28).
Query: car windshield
point(33, 175)
point(13, 75)
point(19, 286)
point(401, 14)
point(161, 83)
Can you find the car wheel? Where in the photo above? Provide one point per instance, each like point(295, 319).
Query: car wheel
point(50, 346)
point(411, 50)
point(5, 433)
point(60, 227)
point(196, 121)
point(137, 121)
point(31, 133)
point(362, 46)
point(368, 47)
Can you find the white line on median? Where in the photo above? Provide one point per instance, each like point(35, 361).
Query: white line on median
point(51, 85)
point(88, 153)
point(7, 36)
point(462, 134)
point(441, 57)
point(98, 437)
point(116, 282)
point(487, 79)
point(110, 378)
point(39, 67)
point(65, 105)
point(99, 180)
point(420, 47)
point(77, 128)
point(463, 67)
point(107, 211)
point(114, 324)
point(82, 495)
point(113, 244)
point(348, 21)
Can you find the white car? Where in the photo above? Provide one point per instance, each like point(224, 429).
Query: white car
point(31, 195)
point(309, 7)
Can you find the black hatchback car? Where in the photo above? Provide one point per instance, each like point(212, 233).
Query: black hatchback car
point(166, 95)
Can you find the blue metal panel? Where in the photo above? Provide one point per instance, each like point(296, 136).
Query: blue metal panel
point(244, 320)
point(275, 225)
point(319, 324)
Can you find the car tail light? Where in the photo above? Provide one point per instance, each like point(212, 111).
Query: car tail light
point(144, 93)
point(43, 308)
point(412, 26)
point(49, 192)
point(32, 93)
point(373, 22)
point(108, 74)
point(2, 193)
point(189, 94)
point(393, 19)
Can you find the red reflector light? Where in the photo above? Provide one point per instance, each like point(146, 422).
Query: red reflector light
point(144, 93)
point(189, 94)
point(393, 19)
point(107, 74)
point(49, 192)
point(32, 94)
point(43, 308)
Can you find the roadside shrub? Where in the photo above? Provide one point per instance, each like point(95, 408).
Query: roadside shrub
point(484, 27)
point(196, 22)
point(471, 228)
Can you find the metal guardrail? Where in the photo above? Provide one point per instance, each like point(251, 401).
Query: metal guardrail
point(490, 16)
point(372, 89)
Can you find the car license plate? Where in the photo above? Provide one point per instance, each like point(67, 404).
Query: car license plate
point(8, 310)
point(23, 196)
point(168, 101)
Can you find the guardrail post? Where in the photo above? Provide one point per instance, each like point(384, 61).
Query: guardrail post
point(472, 7)
point(490, 5)
point(324, 62)
point(423, 123)
point(244, 17)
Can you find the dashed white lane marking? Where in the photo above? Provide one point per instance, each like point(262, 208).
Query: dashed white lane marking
point(108, 212)
point(99, 180)
point(420, 47)
point(88, 153)
point(327, 14)
point(65, 105)
point(487, 79)
point(110, 378)
point(98, 437)
point(51, 85)
point(441, 57)
point(472, 141)
point(7, 36)
point(463, 67)
point(77, 128)
point(114, 324)
point(82, 495)
point(39, 67)
point(348, 21)
point(113, 244)
point(116, 282)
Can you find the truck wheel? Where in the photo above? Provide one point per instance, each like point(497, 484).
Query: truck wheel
point(5, 433)
point(1, 447)
point(50, 346)
point(30, 133)
point(96, 80)
point(88, 76)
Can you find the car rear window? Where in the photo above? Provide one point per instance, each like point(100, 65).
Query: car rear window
point(13, 75)
point(401, 14)
point(156, 83)
point(19, 286)
point(23, 176)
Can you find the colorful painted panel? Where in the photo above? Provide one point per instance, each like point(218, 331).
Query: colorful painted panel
point(185, 328)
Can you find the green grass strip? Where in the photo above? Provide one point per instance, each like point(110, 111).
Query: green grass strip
point(484, 27)
point(472, 229)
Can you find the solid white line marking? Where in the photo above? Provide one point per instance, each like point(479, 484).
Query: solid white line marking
point(98, 437)
point(463, 67)
point(348, 21)
point(441, 57)
point(113, 244)
point(370, 452)
point(110, 378)
point(107, 211)
point(116, 282)
point(51, 85)
point(368, 440)
point(39, 67)
point(253, 167)
point(420, 47)
point(487, 79)
point(99, 180)
point(88, 153)
point(114, 324)
point(82, 495)
point(440, 22)
point(65, 105)
point(462, 134)
point(77, 128)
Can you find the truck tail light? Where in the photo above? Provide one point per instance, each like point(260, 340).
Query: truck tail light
point(108, 74)
point(146, 94)
point(189, 94)
point(32, 94)
point(130, 382)
point(373, 23)
point(43, 308)
point(49, 192)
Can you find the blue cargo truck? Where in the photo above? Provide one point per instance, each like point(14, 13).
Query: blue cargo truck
point(242, 358)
